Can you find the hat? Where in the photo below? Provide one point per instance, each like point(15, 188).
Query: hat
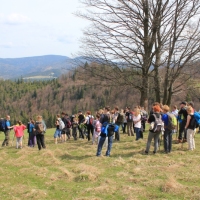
point(183, 102)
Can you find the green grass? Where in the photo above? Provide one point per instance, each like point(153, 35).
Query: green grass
point(72, 171)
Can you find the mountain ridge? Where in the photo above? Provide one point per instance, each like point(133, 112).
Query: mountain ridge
point(14, 68)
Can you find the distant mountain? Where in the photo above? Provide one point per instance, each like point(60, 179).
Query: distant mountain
point(29, 67)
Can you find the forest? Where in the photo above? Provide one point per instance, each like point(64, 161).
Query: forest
point(70, 93)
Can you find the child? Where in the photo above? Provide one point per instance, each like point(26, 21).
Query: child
point(19, 133)
point(57, 133)
point(32, 137)
point(75, 128)
point(97, 129)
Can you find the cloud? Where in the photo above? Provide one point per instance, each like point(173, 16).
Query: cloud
point(7, 45)
point(14, 19)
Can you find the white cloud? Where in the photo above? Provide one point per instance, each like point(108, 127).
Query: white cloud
point(16, 18)
point(6, 45)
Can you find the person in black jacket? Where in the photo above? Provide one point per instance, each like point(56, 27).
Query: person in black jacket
point(182, 116)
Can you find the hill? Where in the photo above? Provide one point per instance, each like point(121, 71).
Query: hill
point(50, 65)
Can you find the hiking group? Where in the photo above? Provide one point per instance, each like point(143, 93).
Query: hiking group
point(105, 126)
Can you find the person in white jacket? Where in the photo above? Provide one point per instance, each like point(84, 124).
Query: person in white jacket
point(137, 122)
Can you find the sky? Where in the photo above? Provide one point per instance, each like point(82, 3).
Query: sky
point(40, 27)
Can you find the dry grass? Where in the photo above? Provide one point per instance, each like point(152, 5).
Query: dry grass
point(72, 171)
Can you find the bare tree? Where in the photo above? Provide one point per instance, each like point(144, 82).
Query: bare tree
point(133, 39)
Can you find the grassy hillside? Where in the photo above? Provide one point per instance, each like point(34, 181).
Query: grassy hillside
point(72, 171)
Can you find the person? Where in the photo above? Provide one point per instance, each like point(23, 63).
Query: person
point(137, 122)
point(167, 132)
point(119, 121)
point(97, 129)
point(58, 131)
point(81, 119)
point(66, 131)
point(8, 127)
point(125, 121)
point(19, 133)
point(156, 113)
point(105, 118)
point(182, 116)
point(75, 128)
point(40, 129)
point(32, 137)
point(89, 123)
point(129, 117)
point(144, 117)
point(190, 127)
point(28, 125)
point(174, 110)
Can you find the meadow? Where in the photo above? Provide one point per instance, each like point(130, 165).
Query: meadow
point(71, 171)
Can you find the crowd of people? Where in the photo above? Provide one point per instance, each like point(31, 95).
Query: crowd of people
point(130, 121)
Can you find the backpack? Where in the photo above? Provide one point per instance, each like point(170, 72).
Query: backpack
point(40, 127)
point(158, 125)
point(91, 119)
point(2, 125)
point(172, 121)
point(197, 117)
point(61, 124)
point(120, 118)
point(108, 129)
point(67, 123)
point(130, 117)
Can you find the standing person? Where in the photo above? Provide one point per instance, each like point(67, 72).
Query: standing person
point(167, 131)
point(66, 131)
point(40, 129)
point(119, 120)
point(105, 118)
point(125, 121)
point(155, 113)
point(190, 127)
point(74, 128)
point(144, 118)
point(28, 125)
point(137, 122)
point(8, 127)
point(182, 116)
point(19, 133)
point(97, 129)
point(81, 119)
point(59, 129)
point(129, 117)
point(89, 123)
point(32, 137)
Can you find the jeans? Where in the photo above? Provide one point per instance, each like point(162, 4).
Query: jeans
point(137, 132)
point(100, 145)
point(168, 140)
point(57, 133)
point(182, 130)
point(150, 137)
point(124, 128)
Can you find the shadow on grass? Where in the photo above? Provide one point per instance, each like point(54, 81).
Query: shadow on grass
point(75, 157)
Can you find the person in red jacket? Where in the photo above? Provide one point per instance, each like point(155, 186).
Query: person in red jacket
point(19, 133)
